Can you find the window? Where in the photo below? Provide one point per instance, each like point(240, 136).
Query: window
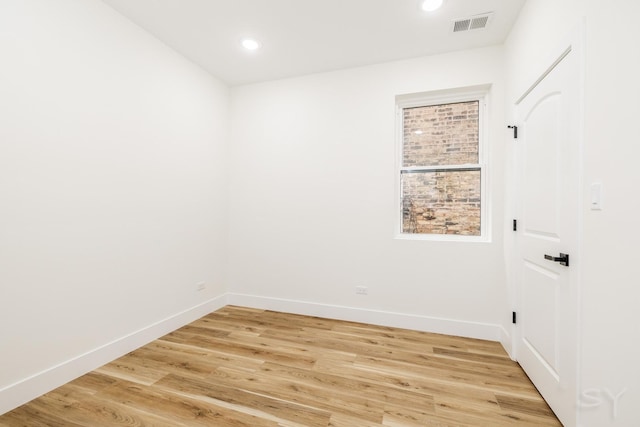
point(441, 167)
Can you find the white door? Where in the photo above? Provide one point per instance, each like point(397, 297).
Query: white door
point(548, 158)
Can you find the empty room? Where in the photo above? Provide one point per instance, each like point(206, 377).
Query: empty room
point(301, 213)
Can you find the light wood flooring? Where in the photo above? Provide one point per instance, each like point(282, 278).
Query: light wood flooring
point(247, 367)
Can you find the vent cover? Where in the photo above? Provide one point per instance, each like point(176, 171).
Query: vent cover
point(475, 22)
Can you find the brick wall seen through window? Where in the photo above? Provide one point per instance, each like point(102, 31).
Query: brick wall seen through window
point(440, 172)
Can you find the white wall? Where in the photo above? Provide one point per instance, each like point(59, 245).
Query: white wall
point(610, 351)
point(113, 190)
point(312, 201)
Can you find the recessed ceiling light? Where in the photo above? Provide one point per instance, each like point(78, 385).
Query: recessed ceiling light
point(250, 44)
point(418, 132)
point(431, 5)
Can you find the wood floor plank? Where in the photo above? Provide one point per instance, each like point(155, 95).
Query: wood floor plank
point(279, 408)
point(289, 388)
point(449, 373)
point(301, 392)
point(524, 406)
point(240, 367)
point(98, 412)
point(176, 407)
point(350, 382)
point(136, 369)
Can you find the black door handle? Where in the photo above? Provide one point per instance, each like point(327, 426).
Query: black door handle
point(563, 259)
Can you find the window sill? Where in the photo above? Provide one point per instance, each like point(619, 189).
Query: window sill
point(443, 238)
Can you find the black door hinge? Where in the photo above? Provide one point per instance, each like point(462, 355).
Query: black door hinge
point(515, 225)
point(515, 131)
point(513, 317)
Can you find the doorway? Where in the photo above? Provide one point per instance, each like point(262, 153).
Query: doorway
point(546, 259)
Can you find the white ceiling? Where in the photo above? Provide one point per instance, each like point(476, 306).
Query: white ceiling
point(308, 36)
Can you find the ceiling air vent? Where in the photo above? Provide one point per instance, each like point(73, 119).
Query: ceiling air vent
point(461, 25)
point(475, 22)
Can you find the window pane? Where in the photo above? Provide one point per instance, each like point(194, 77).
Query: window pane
point(441, 202)
point(440, 135)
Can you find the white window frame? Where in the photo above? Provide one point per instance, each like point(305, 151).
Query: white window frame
point(466, 94)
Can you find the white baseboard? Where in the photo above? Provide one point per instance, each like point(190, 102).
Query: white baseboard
point(29, 388)
point(461, 328)
point(507, 342)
